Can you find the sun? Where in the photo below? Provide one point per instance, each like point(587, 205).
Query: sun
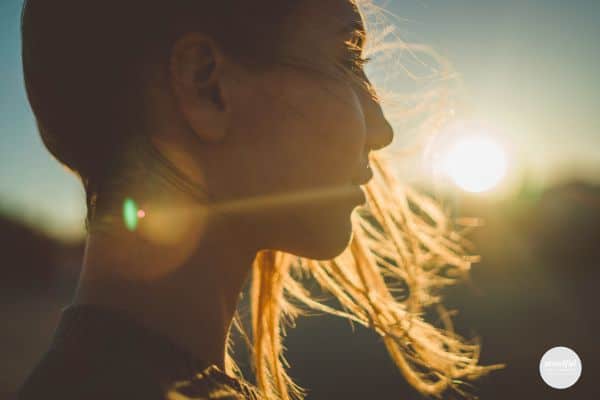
point(475, 163)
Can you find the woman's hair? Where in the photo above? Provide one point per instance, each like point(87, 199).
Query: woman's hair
point(81, 65)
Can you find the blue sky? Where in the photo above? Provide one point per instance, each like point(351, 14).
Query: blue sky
point(33, 186)
point(528, 67)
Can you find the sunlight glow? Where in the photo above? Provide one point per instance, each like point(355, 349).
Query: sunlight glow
point(475, 163)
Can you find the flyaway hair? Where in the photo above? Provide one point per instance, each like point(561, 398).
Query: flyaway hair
point(401, 239)
point(391, 242)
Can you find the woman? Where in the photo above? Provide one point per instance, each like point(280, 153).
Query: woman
point(218, 141)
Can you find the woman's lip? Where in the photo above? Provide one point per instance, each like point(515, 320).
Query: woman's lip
point(360, 194)
point(364, 178)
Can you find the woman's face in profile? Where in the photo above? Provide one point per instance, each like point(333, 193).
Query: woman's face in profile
point(299, 137)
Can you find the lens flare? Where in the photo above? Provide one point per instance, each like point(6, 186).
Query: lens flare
point(130, 214)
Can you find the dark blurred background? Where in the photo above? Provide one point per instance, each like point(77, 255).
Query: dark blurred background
point(535, 288)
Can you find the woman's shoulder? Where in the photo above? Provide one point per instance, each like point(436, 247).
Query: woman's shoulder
point(58, 377)
point(97, 353)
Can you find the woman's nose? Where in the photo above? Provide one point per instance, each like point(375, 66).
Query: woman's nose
point(379, 131)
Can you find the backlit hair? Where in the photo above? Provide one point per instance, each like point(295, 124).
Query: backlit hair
point(401, 238)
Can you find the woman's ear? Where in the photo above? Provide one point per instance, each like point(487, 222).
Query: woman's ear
point(196, 68)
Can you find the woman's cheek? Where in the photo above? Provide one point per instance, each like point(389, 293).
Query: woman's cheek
point(348, 133)
point(315, 131)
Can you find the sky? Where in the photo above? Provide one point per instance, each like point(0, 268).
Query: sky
point(527, 67)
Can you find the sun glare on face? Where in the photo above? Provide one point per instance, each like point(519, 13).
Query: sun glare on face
point(475, 163)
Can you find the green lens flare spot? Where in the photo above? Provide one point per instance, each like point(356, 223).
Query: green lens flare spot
point(130, 214)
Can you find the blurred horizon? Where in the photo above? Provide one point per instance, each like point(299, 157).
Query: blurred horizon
point(527, 69)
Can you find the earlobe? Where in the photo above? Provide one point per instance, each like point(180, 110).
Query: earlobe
point(196, 66)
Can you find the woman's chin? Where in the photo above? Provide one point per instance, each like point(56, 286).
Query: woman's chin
point(325, 242)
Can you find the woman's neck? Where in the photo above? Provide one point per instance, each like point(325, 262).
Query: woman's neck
point(178, 274)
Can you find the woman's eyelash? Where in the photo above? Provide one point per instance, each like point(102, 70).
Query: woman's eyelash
point(354, 59)
point(360, 60)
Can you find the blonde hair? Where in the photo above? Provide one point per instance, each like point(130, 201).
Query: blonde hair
point(401, 236)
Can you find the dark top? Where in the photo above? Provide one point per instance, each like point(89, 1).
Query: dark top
point(99, 353)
